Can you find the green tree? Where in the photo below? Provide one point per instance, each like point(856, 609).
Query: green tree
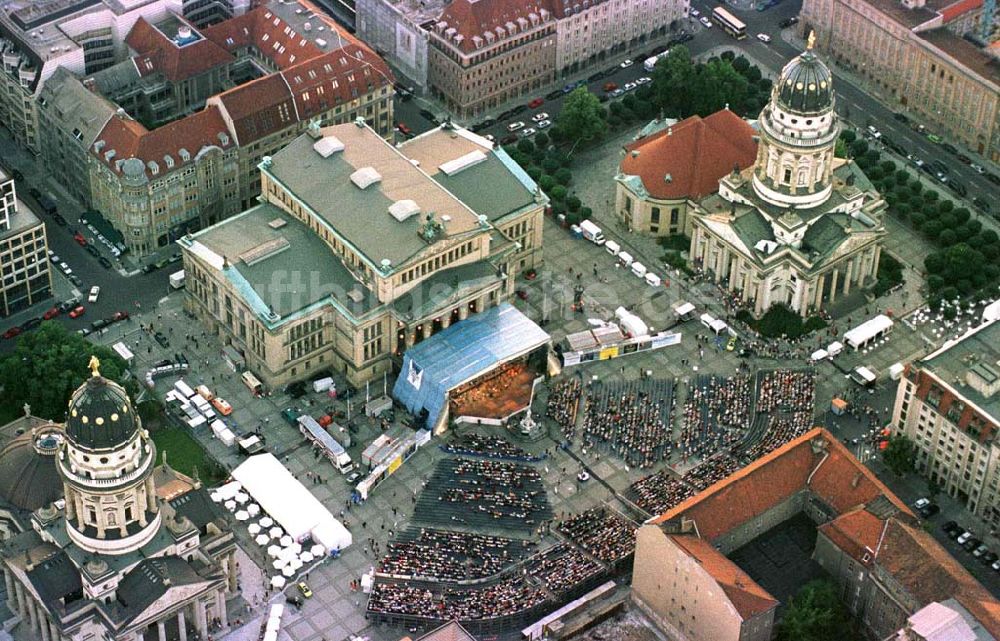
point(558, 193)
point(550, 165)
point(546, 182)
point(525, 146)
point(848, 136)
point(899, 454)
point(541, 140)
point(573, 203)
point(564, 176)
point(673, 71)
point(815, 614)
point(840, 148)
point(48, 364)
point(581, 116)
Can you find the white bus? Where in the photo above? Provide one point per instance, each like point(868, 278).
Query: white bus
point(730, 23)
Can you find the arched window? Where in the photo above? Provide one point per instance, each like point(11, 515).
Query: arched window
point(111, 517)
point(803, 176)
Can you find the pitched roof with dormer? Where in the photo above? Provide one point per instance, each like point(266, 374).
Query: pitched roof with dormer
point(474, 19)
point(695, 153)
point(165, 148)
point(156, 53)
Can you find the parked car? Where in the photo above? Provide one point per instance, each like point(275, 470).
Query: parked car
point(962, 158)
point(787, 22)
point(763, 37)
point(95, 291)
point(951, 526)
point(694, 13)
point(162, 340)
point(930, 510)
point(403, 128)
point(934, 138)
point(610, 86)
point(903, 118)
point(958, 188)
point(77, 311)
point(988, 558)
point(67, 305)
point(536, 103)
point(981, 205)
point(529, 132)
point(12, 332)
point(544, 124)
point(626, 63)
point(963, 537)
point(706, 22)
point(51, 313)
point(540, 116)
point(54, 258)
point(100, 323)
point(31, 323)
point(222, 406)
point(978, 168)
point(971, 544)
point(980, 550)
point(552, 95)
point(921, 503)
point(59, 220)
point(78, 237)
point(514, 126)
point(304, 589)
point(120, 316)
point(951, 149)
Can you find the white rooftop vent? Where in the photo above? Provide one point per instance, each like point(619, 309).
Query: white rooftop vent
point(320, 43)
point(327, 146)
point(452, 167)
point(366, 177)
point(307, 27)
point(766, 246)
point(403, 209)
point(356, 295)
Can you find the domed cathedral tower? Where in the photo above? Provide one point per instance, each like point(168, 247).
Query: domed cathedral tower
point(799, 131)
point(106, 464)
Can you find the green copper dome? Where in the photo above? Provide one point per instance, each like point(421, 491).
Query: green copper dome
point(100, 416)
point(805, 85)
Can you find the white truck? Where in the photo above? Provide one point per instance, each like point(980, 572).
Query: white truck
point(177, 279)
point(592, 232)
point(650, 62)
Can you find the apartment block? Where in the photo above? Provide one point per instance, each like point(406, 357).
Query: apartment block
point(948, 404)
point(24, 260)
point(913, 55)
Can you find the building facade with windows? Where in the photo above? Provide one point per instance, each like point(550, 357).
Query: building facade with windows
point(589, 32)
point(484, 54)
point(912, 54)
point(672, 165)
point(360, 250)
point(948, 404)
point(24, 260)
point(129, 552)
point(800, 227)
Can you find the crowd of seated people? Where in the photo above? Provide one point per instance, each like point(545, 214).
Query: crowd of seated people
point(562, 567)
point(631, 420)
point(444, 555)
point(564, 400)
point(787, 390)
point(487, 445)
point(604, 534)
point(717, 413)
point(506, 597)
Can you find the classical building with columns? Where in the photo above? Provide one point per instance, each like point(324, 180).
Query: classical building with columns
point(129, 551)
point(361, 249)
point(800, 227)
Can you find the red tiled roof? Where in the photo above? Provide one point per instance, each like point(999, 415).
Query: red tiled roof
point(837, 477)
point(696, 152)
point(856, 533)
point(475, 17)
point(157, 53)
point(129, 139)
point(747, 597)
point(930, 573)
point(959, 8)
point(266, 32)
point(257, 109)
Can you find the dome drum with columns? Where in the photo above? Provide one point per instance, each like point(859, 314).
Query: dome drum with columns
point(795, 156)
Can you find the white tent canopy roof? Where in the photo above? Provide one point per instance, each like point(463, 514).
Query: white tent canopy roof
point(867, 330)
point(288, 502)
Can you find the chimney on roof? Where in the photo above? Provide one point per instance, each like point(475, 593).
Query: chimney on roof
point(670, 131)
point(668, 178)
point(635, 153)
point(856, 480)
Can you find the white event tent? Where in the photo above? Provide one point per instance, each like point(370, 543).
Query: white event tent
point(289, 503)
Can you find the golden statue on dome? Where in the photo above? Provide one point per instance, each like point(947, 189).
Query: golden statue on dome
point(811, 40)
point(94, 365)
